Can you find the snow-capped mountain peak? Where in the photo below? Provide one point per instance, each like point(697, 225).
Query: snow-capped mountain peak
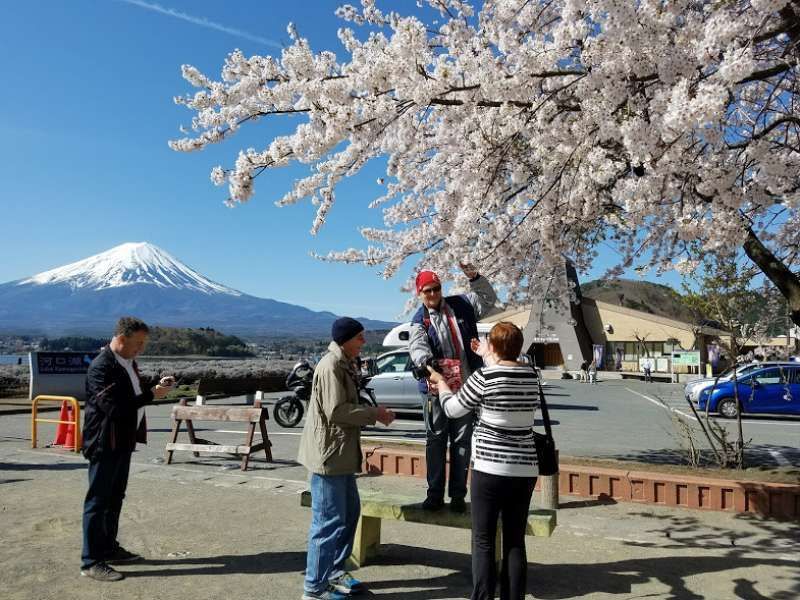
point(129, 264)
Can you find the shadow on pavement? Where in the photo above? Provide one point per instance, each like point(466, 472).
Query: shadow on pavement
point(687, 531)
point(601, 500)
point(553, 406)
point(232, 564)
point(70, 466)
point(755, 455)
point(2, 481)
point(563, 581)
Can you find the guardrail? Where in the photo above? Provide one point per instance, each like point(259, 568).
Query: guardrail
point(35, 420)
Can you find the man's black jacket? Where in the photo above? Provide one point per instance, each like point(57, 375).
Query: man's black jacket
point(111, 404)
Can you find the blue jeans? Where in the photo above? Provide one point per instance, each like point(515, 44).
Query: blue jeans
point(438, 430)
point(335, 508)
point(108, 479)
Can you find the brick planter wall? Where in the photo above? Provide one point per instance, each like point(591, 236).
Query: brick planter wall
point(777, 500)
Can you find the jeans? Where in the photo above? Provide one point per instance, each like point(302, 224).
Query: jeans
point(491, 496)
point(335, 508)
point(108, 479)
point(438, 430)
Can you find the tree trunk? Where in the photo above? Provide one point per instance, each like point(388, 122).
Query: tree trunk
point(778, 273)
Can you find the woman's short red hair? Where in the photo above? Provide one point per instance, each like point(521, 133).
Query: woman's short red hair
point(506, 340)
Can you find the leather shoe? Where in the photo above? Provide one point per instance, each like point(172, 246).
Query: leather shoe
point(457, 505)
point(432, 504)
point(120, 555)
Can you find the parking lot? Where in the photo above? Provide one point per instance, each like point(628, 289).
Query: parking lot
point(620, 419)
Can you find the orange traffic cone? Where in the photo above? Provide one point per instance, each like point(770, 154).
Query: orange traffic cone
point(61, 428)
point(70, 441)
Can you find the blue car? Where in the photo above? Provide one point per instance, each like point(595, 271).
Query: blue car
point(770, 390)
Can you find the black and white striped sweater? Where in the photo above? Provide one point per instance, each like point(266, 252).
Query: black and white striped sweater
point(506, 399)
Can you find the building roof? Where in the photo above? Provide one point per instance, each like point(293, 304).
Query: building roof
point(520, 315)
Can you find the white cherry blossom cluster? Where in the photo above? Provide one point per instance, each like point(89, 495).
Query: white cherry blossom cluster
point(519, 133)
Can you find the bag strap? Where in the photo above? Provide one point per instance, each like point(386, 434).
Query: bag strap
point(543, 406)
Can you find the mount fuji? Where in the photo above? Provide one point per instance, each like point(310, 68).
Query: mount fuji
point(140, 279)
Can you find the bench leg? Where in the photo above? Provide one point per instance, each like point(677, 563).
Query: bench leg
point(251, 429)
point(265, 439)
point(175, 427)
point(192, 437)
point(367, 540)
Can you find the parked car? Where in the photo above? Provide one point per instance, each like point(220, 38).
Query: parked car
point(693, 389)
point(764, 390)
point(393, 384)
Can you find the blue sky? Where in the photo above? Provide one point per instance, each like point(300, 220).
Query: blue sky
point(85, 116)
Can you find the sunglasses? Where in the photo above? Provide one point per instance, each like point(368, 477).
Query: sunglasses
point(432, 290)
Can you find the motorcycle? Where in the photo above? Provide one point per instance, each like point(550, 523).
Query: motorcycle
point(289, 410)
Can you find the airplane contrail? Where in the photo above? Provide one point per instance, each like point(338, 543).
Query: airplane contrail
point(203, 22)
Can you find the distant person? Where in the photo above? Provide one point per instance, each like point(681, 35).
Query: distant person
point(505, 396)
point(114, 394)
point(584, 374)
point(444, 328)
point(330, 448)
point(593, 371)
point(647, 368)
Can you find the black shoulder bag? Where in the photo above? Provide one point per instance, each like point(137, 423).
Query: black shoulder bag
point(545, 444)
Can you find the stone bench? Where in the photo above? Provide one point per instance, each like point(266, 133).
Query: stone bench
point(376, 506)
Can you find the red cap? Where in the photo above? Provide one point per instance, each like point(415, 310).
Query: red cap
point(426, 277)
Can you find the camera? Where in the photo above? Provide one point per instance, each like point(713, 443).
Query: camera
point(422, 372)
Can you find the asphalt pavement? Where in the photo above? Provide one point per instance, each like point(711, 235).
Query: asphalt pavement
point(208, 531)
point(618, 419)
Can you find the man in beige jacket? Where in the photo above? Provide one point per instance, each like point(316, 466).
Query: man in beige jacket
point(330, 449)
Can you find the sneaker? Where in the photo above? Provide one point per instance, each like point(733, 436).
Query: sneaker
point(347, 584)
point(432, 504)
point(102, 572)
point(120, 555)
point(457, 505)
point(329, 594)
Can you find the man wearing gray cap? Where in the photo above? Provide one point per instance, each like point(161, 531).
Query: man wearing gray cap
point(330, 449)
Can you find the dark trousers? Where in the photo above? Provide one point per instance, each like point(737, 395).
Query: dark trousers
point(492, 496)
point(108, 479)
point(438, 431)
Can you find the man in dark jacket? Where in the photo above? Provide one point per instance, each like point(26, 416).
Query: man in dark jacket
point(114, 395)
point(444, 328)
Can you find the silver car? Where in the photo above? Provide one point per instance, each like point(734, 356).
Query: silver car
point(393, 383)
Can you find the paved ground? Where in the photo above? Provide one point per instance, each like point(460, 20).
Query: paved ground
point(209, 531)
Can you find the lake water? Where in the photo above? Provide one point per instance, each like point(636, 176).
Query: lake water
point(11, 359)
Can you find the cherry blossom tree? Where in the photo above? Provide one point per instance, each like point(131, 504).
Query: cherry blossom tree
point(519, 133)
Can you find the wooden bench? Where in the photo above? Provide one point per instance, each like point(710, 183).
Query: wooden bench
point(253, 388)
point(257, 415)
point(376, 506)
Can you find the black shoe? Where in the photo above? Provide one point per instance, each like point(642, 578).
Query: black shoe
point(102, 572)
point(457, 505)
point(120, 555)
point(432, 504)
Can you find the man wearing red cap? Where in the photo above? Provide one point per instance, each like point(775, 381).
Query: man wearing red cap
point(443, 328)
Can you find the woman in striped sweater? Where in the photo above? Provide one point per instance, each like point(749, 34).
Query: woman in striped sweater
point(504, 469)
